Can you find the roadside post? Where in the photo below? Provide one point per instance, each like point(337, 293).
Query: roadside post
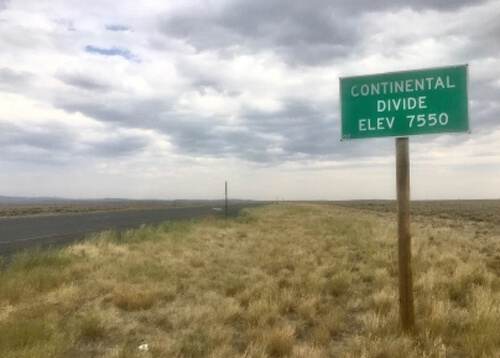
point(403, 104)
point(406, 306)
point(226, 203)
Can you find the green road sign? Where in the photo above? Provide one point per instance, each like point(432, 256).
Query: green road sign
point(401, 104)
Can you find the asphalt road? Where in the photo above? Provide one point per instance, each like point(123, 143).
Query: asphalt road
point(42, 231)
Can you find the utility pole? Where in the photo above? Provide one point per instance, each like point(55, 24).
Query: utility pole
point(227, 204)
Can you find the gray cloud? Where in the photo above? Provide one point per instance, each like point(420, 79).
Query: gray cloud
point(120, 146)
point(310, 33)
point(117, 28)
point(449, 5)
point(356, 7)
point(14, 81)
point(3, 4)
point(58, 145)
point(47, 138)
point(484, 111)
point(41, 145)
point(129, 112)
point(205, 140)
point(84, 81)
point(481, 39)
point(66, 23)
point(189, 135)
point(302, 33)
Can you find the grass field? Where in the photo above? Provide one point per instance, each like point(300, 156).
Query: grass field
point(286, 280)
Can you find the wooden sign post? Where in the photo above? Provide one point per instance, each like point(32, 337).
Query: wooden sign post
point(407, 311)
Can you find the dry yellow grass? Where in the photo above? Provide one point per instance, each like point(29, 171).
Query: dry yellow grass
point(279, 281)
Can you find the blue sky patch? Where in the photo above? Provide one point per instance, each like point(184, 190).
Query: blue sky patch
point(114, 51)
point(115, 27)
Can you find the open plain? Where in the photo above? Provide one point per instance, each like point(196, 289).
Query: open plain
point(285, 280)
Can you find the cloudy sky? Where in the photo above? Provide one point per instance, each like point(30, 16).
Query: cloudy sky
point(168, 99)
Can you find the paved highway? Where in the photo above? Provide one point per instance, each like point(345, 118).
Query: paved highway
point(25, 232)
